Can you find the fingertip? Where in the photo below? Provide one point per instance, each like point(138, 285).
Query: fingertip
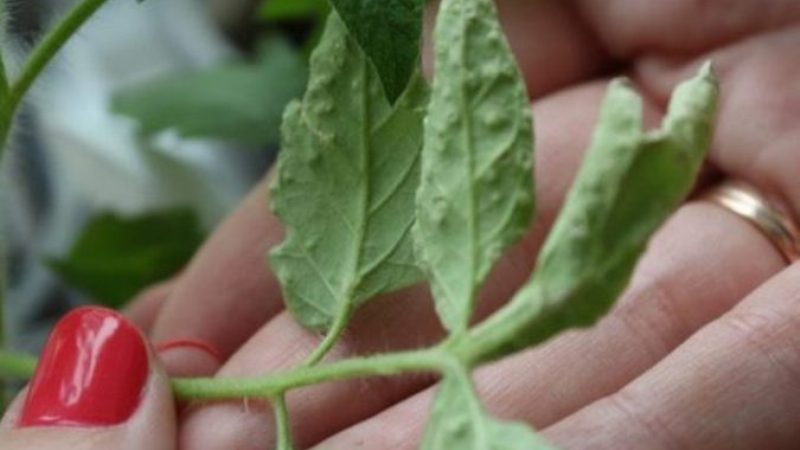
point(97, 386)
point(189, 357)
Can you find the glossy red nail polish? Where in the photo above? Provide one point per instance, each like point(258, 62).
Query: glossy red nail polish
point(92, 372)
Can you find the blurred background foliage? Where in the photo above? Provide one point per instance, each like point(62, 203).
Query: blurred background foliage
point(145, 132)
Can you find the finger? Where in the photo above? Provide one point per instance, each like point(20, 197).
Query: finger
point(553, 47)
point(559, 42)
point(385, 325)
point(757, 131)
point(97, 387)
point(630, 28)
point(228, 278)
point(144, 309)
point(680, 284)
point(734, 385)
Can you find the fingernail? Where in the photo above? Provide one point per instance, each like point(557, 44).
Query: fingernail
point(92, 372)
point(189, 357)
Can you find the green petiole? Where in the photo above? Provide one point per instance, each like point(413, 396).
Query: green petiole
point(41, 56)
point(429, 360)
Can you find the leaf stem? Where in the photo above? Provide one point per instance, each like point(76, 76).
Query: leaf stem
point(41, 56)
point(435, 359)
point(335, 332)
point(429, 360)
point(284, 438)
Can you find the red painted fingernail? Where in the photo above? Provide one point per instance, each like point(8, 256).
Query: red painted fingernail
point(190, 343)
point(92, 372)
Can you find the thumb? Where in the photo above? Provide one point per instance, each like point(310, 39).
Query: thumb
point(97, 386)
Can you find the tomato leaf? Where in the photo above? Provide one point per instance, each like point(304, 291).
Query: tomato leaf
point(476, 193)
point(628, 185)
point(345, 185)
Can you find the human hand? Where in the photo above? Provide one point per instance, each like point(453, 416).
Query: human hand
point(637, 379)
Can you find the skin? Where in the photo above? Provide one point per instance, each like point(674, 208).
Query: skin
point(703, 349)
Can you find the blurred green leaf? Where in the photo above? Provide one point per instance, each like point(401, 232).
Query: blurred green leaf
point(241, 103)
point(116, 257)
point(293, 9)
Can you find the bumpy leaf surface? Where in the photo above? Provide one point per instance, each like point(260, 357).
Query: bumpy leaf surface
point(345, 186)
point(476, 194)
point(628, 186)
point(389, 31)
point(458, 421)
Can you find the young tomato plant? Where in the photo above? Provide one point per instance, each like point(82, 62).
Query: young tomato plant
point(384, 181)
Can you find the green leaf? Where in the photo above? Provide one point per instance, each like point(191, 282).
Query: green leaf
point(476, 194)
point(458, 421)
point(240, 102)
point(389, 31)
point(629, 184)
point(116, 257)
point(345, 186)
point(275, 10)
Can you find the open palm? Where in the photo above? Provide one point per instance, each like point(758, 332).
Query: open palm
point(703, 349)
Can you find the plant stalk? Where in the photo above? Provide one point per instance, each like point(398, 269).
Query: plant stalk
point(331, 338)
point(429, 360)
point(42, 54)
point(282, 425)
point(435, 359)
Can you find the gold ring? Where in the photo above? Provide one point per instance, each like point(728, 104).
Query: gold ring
point(745, 201)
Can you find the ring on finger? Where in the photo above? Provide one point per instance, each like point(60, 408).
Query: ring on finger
point(747, 202)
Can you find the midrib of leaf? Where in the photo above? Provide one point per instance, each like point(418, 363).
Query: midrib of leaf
point(476, 145)
point(347, 303)
point(366, 179)
point(472, 187)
